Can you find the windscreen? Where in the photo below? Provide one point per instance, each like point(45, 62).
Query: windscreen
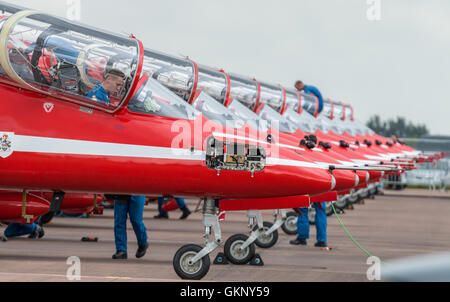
point(308, 123)
point(174, 73)
point(276, 120)
point(213, 83)
point(327, 109)
point(272, 95)
point(339, 111)
point(153, 98)
point(328, 125)
point(292, 100)
point(309, 103)
point(216, 112)
point(346, 126)
point(248, 116)
point(244, 91)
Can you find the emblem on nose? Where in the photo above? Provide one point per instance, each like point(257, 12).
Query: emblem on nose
point(6, 144)
point(48, 107)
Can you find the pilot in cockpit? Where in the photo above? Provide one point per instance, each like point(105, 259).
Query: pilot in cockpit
point(113, 82)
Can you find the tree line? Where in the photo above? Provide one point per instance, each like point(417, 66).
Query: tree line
point(400, 126)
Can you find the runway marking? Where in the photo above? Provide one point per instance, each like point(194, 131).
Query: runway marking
point(90, 277)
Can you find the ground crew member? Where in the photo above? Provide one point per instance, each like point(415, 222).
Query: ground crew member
point(113, 83)
point(133, 205)
point(181, 204)
point(14, 229)
point(309, 89)
point(303, 226)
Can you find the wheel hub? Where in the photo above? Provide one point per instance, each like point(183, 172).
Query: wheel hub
point(237, 251)
point(187, 265)
point(265, 238)
point(290, 223)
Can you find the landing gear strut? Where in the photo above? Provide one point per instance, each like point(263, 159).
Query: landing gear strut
point(192, 261)
point(269, 235)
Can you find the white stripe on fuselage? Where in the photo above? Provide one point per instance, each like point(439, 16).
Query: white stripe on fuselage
point(79, 147)
point(49, 145)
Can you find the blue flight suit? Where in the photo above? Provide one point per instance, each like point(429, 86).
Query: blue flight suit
point(309, 89)
point(180, 202)
point(135, 207)
point(321, 223)
point(17, 229)
point(101, 95)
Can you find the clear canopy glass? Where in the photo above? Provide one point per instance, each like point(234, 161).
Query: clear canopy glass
point(153, 98)
point(272, 95)
point(175, 73)
point(54, 56)
point(309, 103)
point(248, 116)
point(213, 82)
point(327, 109)
point(292, 100)
point(216, 112)
point(338, 111)
point(277, 120)
point(244, 90)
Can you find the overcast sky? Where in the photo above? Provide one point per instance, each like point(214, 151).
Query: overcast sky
point(397, 66)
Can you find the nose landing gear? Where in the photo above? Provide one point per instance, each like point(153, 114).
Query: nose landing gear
point(192, 261)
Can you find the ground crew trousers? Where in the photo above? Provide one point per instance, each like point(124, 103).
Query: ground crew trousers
point(321, 223)
point(180, 202)
point(135, 207)
point(18, 229)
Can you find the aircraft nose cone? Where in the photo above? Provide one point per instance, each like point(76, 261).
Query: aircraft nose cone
point(345, 180)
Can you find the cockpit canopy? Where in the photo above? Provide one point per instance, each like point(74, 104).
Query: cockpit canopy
point(339, 112)
point(327, 109)
point(50, 55)
point(309, 103)
point(244, 90)
point(175, 73)
point(292, 100)
point(213, 82)
point(272, 96)
point(348, 112)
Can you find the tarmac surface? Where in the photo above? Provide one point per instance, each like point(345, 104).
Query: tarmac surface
point(390, 226)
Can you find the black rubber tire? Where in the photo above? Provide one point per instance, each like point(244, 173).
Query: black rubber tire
point(354, 200)
point(235, 241)
point(178, 267)
point(341, 204)
point(274, 236)
point(287, 230)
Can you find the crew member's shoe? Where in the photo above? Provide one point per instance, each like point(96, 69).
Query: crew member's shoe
point(120, 255)
point(161, 216)
point(298, 241)
point(37, 233)
point(141, 251)
point(186, 213)
point(320, 244)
